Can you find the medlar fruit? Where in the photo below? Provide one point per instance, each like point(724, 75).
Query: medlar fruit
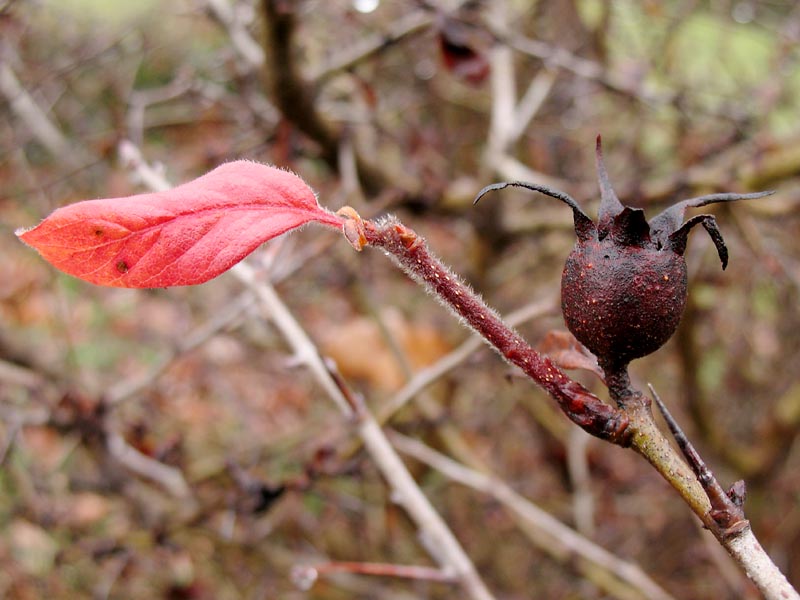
point(623, 289)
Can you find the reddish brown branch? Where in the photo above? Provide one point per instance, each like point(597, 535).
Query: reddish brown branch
point(578, 403)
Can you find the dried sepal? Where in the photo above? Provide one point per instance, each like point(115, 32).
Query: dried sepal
point(679, 238)
point(584, 226)
point(610, 206)
point(671, 219)
point(630, 227)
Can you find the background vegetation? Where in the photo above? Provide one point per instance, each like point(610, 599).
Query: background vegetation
point(405, 107)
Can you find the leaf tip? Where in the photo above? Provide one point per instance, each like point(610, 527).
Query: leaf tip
point(23, 233)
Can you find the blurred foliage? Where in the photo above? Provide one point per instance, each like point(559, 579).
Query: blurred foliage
point(691, 97)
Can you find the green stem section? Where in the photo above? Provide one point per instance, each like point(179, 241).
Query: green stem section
point(648, 441)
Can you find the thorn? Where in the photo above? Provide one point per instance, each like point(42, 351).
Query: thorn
point(726, 508)
point(610, 206)
point(692, 457)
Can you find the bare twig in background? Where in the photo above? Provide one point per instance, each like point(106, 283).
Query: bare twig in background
point(128, 388)
point(425, 377)
point(305, 352)
point(293, 96)
point(555, 57)
point(306, 575)
point(504, 99)
point(368, 46)
point(530, 103)
point(95, 427)
point(434, 533)
point(552, 536)
point(509, 119)
point(152, 177)
point(35, 118)
point(11, 374)
point(583, 508)
point(140, 100)
point(167, 477)
point(229, 17)
point(13, 427)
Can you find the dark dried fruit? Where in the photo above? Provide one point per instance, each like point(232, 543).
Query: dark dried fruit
point(623, 289)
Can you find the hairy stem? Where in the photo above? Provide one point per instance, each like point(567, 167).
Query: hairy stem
point(578, 403)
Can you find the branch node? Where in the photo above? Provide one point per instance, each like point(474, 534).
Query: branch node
point(353, 227)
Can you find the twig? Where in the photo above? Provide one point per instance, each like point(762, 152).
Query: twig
point(730, 573)
point(128, 388)
point(531, 102)
point(739, 539)
point(509, 120)
point(132, 158)
point(12, 374)
point(140, 100)
point(305, 352)
point(438, 539)
point(102, 588)
point(34, 117)
point(434, 533)
point(726, 508)
point(504, 98)
point(307, 574)
point(578, 469)
point(242, 41)
point(13, 427)
point(367, 46)
point(554, 57)
point(552, 536)
point(167, 477)
point(425, 377)
point(293, 96)
point(751, 556)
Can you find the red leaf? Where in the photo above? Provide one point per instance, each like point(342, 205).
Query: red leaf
point(182, 236)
